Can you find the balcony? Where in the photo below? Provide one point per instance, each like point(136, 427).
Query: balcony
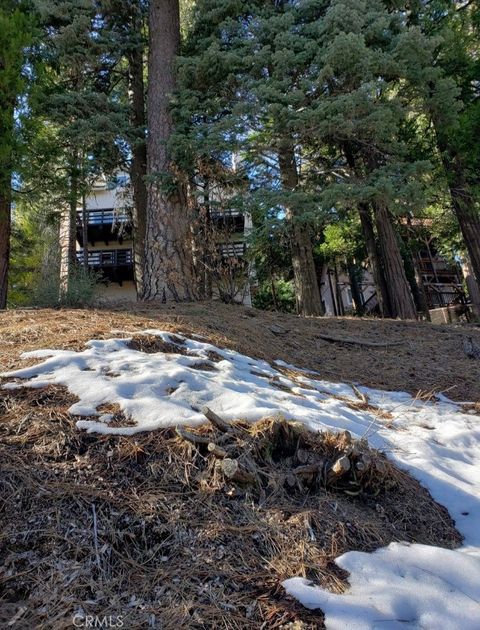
point(104, 225)
point(232, 250)
point(229, 220)
point(115, 265)
point(438, 271)
point(440, 295)
point(437, 264)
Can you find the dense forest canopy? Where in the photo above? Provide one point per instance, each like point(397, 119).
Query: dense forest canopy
point(347, 130)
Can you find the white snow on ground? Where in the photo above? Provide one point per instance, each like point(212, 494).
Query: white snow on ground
point(401, 586)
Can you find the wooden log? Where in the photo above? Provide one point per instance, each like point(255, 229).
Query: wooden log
point(380, 466)
point(366, 460)
point(216, 450)
point(364, 463)
point(232, 470)
point(291, 480)
point(302, 455)
point(215, 419)
point(308, 469)
point(192, 437)
point(341, 466)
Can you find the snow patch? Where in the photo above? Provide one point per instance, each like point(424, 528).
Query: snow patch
point(164, 389)
point(400, 586)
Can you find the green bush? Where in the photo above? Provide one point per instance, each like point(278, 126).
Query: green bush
point(284, 296)
point(81, 291)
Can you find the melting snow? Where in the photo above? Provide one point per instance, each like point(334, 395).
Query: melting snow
point(400, 586)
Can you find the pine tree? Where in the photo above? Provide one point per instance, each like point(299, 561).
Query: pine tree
point(240, 85)
point(78, 102)
point(360, 116)
point(16, 31)
point(125, 34)
point(441, 58)
point(168, 273)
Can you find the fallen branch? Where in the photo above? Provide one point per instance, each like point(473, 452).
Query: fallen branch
point(215, 419)
point(363, 397)
point(192, 437)
point(360, 342)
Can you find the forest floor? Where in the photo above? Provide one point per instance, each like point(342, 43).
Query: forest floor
point(422, 357)
point(143, 531)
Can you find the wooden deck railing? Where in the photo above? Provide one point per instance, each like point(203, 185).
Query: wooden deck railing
point(104, 216)
point(108, 258)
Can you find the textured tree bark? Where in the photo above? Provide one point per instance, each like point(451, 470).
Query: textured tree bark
point(306, 283)
point(472, 287)
point(374, 260)
point(465, 207)
point(69, 229)
point(422, 295)
point(6, 127)
point(5, 222)
point(168, 269)
point(85, 232)
point(340, 307)
point(401, 299)
point(370, 241)
point(138, 168)
point(357, 297)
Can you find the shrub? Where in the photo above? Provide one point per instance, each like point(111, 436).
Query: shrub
point(81, 290)
point(284, 299)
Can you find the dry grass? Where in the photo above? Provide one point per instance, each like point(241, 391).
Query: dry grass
point(146, 528)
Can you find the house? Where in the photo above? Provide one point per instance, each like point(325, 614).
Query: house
point(107, 234)
point(104, 232)
point(336, 291)
point(440, 281)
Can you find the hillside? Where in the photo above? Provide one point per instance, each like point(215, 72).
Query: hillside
point(421, 358)
point(218, 525)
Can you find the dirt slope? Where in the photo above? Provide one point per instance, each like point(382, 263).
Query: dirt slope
point(146, 531)
point(423, 357)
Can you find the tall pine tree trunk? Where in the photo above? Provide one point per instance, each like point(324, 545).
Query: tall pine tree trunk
point(401, 302)
point(374, 260)
point(465, 206)
point(353, 275)
point(370, 240)
point(138, 168)
point(422, 294)
point(85, 233)
point(304, 272)
point(401, 299)
point(168, 270)
point(472, 287)
point(5, 219)
point(68, 229)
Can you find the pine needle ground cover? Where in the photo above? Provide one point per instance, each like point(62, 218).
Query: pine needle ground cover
point(150, 528)
point(158, 528)
point(416, 357)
